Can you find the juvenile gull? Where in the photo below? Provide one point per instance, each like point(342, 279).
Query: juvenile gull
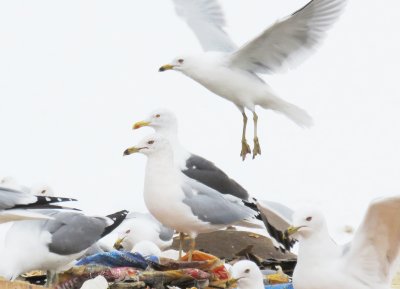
point(182, 203)
point(52, 244)
point(275, 216)
point(231, 72)
point(20, 205)
point(140, 227)
point(369, 261)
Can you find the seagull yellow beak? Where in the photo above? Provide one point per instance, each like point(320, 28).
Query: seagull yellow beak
point(293, 230)
point(140, 124)
point(166, 67)
point(232, 283)
point(131, 150)
point(118, 244)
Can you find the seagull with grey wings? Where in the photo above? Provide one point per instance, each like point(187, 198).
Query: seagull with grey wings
point(182, 203)
point(276, 217)
point(54, 243)
point(369, 261)
point(232, 72)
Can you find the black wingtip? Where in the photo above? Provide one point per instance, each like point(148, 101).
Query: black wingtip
point(117, 219)
point(281, 237)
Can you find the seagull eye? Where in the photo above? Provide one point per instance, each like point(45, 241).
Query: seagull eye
point(128, 231)
point(157, 115)
point(180, 61)
point(150, 142)
point(308, 219)
point(43, 192)
point(247, 271)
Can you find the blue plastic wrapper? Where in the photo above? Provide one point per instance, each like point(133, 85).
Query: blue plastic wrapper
point(280, 286)
point(115, 259)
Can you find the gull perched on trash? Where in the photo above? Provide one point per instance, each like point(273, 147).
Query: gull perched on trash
point(369, 261)
point(247, 275)
point(276, 217)
point(52, 244)
point(140, 227)
point(182, 203)
point(231, 72)
point(19, 205)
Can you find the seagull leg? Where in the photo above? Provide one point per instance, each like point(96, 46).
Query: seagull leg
point(257, 148)
point(51, 279)
point(192, 247)
point(181, 240)
point(245, 146)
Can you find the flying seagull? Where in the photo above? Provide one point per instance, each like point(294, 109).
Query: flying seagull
point(181, 203)
point(276, 217)
point(369, 261)
point(231, 72)
point(19, 205)
point(51, 244)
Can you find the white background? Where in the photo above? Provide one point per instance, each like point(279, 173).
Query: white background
point(75, 75)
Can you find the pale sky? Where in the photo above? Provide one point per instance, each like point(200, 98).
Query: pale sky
point(75, 75)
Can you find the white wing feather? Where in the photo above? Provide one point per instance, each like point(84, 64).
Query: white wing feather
point(375, 248)
point(206, 19)
point(289, 41)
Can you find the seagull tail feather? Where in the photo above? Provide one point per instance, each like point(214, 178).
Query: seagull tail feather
point(293, 112)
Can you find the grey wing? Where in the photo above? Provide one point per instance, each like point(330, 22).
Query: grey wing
point(206, 19)
point(73, 232)
point(374, 250)
point(277, 218)
point(289, 41)
point(210, 206)
point(206, 172)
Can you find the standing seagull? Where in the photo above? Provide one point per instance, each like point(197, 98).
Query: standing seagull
point(19, 205)
point(276, 217)
point(231, 72)
point(369, 261)
point(52, 244)
point(182, 203)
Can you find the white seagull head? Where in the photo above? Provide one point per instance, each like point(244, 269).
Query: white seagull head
point(247, 274)
point(306, 222)
point(150, 145)
point(159, 119)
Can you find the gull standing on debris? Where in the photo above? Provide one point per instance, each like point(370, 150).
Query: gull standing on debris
point(369, 261)
point(19, 205)
point(181, 203)
point(231, 72)
point(51, 244)
point(276, 217)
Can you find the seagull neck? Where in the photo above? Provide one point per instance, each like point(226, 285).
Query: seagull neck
point(160, 162)
point(171, 134)
point(254, 283)
point(317, 246)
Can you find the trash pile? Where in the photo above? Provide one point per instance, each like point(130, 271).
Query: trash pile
point(131, 270)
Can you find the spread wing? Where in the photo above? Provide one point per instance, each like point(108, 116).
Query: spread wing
point(289, 41)
point(375, 248)
point(207, 20)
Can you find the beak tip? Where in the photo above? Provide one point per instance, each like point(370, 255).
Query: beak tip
point(161, 69)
